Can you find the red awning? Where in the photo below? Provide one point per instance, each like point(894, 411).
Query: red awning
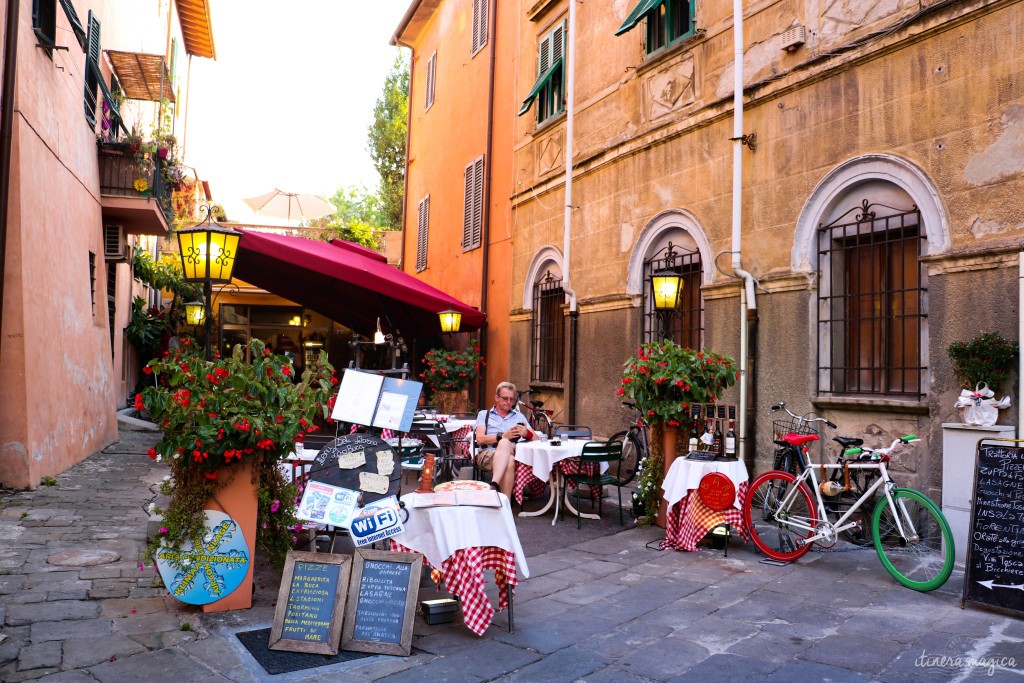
point(340, 281)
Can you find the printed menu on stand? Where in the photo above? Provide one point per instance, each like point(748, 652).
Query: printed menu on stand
point(376, 401)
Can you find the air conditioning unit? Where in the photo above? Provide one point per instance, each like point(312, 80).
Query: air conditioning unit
point(115, 246)
point(793, 38)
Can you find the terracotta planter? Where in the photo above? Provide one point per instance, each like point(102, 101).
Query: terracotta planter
point(452, 401)
point(237, 499)
point(669, 439)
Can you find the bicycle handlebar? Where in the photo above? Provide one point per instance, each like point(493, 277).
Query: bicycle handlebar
point(782, 406)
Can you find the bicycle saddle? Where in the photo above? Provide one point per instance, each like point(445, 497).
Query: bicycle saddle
point(848, 441)
point(799, 439)
point(536, 404)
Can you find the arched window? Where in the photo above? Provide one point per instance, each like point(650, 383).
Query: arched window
point(548, 344)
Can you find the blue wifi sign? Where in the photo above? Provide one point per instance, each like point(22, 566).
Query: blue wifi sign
point(377, 521)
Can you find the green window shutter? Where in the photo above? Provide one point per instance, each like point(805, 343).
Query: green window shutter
point(422, 230)
point(92, 70)
point(549, 60)
point(76, 23)
point(638, 12)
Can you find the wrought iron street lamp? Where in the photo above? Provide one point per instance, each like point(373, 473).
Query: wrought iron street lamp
point(208, 252)
point(195, 312)
point(450, 321)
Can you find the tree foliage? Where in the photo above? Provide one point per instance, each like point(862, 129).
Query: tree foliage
point(386, 141)
point(357, 219)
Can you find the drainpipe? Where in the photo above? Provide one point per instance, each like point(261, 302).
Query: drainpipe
point(1020, 338)
point(485, 237)
point(6, 131)
point(570, 111)
point(748, 302)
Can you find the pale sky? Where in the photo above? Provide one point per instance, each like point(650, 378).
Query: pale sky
point(288, 100)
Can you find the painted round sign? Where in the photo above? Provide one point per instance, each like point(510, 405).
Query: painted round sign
point(207, 568)
point(716, 491)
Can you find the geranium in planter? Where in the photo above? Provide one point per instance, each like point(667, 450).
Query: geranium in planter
point(449, 373)
point(664, 379)
point(217, 415)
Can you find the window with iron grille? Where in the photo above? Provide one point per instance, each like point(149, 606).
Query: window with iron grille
point(92, 282)
point(473, 206)
point(872, 301)
point(111, 301)
point(479, 25)
point(431, 81)
point(668, 22)
point(548, 329)
point(685, 324)
point(549, 88)
point(421, 234)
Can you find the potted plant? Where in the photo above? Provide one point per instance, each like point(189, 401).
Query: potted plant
point(988, 359)
point(165, 143)
point(228, 421)
point(664, 380)
point(133, 142)
point(448, 374)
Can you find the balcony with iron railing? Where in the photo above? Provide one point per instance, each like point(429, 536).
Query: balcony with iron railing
point(134, 190)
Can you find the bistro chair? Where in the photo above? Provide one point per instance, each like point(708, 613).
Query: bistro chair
point(573, 432)
point(594, 453)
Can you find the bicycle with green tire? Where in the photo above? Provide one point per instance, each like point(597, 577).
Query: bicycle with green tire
point(909, 531)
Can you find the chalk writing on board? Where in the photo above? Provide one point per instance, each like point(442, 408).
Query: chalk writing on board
point(995, 564)
point(382, 598)
point(310, 602)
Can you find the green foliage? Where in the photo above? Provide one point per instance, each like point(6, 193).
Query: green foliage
point(217, 414)
point(145, 329)
point(48, 481)
point(987, 358)
point(358, 217)
point(387, 140)
point(445, 370)
point(164, 274)
point(664, 379)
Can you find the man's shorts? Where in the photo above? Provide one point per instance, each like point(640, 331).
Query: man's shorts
point(485, 459)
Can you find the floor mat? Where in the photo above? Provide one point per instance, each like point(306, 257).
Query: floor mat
point(278, 662)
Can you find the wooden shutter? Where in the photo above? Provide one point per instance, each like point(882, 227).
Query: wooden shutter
point(431, 81)
point(423, 229)
point(479, 25)
point(544, 55)
point(92, 68)
point(473, 205)
point(558, 43)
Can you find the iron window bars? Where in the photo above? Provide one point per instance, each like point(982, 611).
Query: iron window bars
point(548, 329)
point(685, 324)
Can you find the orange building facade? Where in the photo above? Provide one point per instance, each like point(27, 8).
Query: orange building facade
point(458, 224)
point(75, 211)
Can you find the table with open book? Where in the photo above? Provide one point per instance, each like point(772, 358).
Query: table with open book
point(462, 533)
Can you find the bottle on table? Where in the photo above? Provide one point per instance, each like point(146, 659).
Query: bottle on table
point(730, 442)
point(717, 443)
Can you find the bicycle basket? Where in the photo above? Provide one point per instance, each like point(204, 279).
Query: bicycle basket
point(782, 427)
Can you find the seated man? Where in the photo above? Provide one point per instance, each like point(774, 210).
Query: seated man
point(496, 431)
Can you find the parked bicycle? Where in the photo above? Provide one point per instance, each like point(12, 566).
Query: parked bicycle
point(910, 533)
point(636, 444)
point(538, 418)
point(845, 487)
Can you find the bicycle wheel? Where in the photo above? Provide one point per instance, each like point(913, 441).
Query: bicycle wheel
point(922, 557)
point(632, 453)
point(766, 516)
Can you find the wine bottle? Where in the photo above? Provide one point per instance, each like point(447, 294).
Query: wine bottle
point(718, 445)
point(730, 442)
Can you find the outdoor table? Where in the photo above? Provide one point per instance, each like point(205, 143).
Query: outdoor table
point(538, 461)
point(462, 541)
point(688, 518)
point(458, 429)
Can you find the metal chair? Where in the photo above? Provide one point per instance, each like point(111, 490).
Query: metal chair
point(573, 432)
point(594, 453)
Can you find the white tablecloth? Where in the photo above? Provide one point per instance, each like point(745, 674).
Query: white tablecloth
point(541, 456)
point(685, 475)
point(440, 531)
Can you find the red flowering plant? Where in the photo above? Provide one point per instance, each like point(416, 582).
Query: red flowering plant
point(445, 370)
point(217, 414)
point(663, 379)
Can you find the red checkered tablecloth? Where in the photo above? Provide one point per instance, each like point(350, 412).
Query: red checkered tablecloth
point(526, 481)
point(690, 520)
point(463, 576)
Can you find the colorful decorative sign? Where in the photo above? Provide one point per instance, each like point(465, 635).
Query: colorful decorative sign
point(377, 521)
point(716, 491)
point(207, 568)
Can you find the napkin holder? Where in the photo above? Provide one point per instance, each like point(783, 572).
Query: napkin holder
point(440, 611)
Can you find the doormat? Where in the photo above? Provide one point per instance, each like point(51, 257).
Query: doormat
point(279, 662)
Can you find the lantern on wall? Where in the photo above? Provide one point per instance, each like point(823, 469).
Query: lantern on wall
point(195, 312)
point(450, 321)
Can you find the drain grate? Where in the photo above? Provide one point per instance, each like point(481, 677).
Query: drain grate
point(276, 662)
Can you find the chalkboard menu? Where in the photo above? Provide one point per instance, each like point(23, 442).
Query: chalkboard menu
point(994, 574)
point(311, 603)
point(382, 602)
point(376, 459)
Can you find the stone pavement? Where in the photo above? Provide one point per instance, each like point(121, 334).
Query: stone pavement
point(75, 606)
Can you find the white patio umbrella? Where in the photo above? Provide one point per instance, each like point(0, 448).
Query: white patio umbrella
point(290, 205)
